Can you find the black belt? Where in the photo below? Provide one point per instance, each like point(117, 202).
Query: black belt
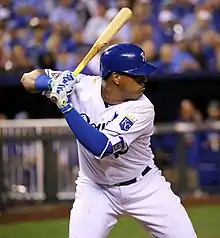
point(134, 180)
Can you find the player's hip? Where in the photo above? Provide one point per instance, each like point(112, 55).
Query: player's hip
point(146, 173)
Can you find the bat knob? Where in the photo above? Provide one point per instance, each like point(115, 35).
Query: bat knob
point(54, 98)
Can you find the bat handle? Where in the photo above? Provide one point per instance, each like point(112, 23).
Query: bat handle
point(54, 97)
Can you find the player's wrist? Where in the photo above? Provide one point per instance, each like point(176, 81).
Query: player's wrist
point(64, 102)
point(68, 107)
point(42, 82)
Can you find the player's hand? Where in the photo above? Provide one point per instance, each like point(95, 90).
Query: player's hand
point(62, 88)
point(51, 84)
point(63, 98)
point(66, 78)
point(47, 92)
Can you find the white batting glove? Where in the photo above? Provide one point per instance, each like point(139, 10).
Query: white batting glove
point(51, 83)
point(66, 77)
point(61, 88)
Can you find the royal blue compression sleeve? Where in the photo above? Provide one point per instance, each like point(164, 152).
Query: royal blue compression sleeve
point(42, 82)
point(92, 139)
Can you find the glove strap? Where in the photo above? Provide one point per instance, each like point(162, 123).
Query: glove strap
point(67, 108)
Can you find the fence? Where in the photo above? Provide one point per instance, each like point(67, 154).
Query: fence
point(38, 159)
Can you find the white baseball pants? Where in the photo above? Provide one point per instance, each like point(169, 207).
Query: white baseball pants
point(150, 201)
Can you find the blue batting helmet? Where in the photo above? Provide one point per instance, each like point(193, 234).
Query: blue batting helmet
point(125, 58)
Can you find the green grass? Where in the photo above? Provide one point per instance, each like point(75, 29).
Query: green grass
point(206, 221)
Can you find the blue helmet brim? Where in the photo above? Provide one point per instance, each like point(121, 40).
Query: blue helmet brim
point(145, 70)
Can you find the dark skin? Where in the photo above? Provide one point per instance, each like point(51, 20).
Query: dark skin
point(122, 87)
point(118, 87)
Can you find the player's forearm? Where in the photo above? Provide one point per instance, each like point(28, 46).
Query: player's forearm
point(35, 81)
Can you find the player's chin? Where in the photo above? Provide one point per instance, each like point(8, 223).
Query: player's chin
point(137, 95)
point(140, 92)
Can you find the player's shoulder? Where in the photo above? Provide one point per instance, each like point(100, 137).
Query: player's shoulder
point(142, 105)
point(89, 79)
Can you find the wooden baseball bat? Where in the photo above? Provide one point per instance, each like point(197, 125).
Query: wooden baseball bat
point(114, 26)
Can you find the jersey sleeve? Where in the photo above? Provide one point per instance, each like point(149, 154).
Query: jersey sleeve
point(131, 124)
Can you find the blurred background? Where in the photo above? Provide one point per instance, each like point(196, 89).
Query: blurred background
point(38, 154)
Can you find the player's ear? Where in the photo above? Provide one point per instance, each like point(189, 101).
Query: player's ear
point(116, 78)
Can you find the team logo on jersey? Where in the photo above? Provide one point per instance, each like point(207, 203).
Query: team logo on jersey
point(127, 122)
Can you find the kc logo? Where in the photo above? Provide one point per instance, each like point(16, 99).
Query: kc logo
point(126, 124)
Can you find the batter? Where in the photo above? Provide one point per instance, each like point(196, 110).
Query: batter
point(113, 122)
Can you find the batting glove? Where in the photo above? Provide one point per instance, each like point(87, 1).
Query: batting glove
point(66, 77)
point(62, 87)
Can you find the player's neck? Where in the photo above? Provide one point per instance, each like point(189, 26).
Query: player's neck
point(110, 94)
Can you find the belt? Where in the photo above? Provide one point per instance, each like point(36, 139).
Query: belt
point(134, 180)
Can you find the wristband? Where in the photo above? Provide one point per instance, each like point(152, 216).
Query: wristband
point(42, 82)
point(67, 108)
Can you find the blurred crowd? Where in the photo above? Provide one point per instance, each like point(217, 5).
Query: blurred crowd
point(201, 152)
point(176, 35)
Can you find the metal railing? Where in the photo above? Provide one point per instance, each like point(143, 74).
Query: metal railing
point(38, 158)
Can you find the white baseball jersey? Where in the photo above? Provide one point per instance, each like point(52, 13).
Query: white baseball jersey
point(133, 120)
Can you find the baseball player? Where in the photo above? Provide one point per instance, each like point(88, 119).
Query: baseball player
point(113, 122)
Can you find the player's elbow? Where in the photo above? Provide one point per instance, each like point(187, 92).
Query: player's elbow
point(100, 150)
point(28, 80)
point(103, 151)
point(116, 149)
